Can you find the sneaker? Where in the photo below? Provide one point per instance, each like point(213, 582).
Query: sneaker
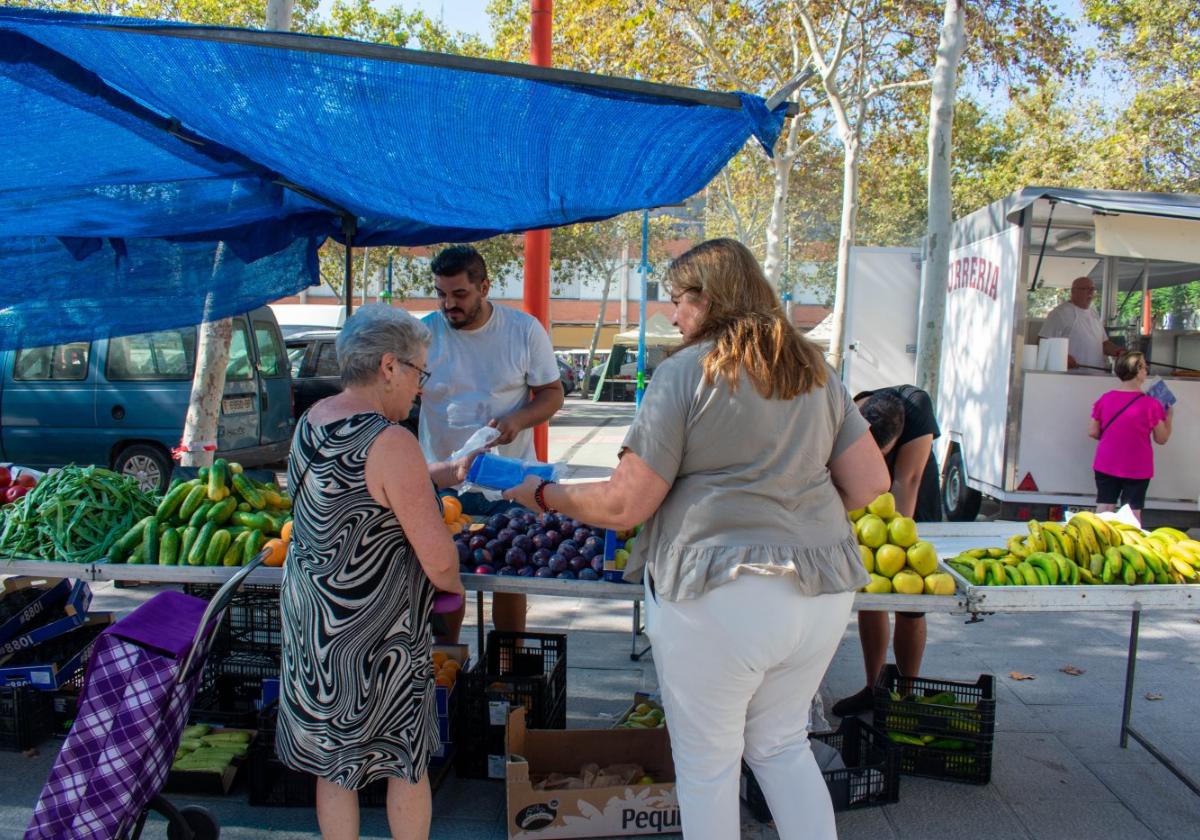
point(855, 704)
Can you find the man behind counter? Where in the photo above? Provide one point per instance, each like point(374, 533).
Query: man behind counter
point(1075, 320)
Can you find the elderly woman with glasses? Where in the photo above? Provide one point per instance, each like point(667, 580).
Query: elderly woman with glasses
point(1124, 421)
point(368, 552)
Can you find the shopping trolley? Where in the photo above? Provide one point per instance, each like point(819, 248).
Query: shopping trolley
point(141, 678)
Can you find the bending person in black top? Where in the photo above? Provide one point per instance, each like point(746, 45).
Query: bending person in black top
point(904, 427)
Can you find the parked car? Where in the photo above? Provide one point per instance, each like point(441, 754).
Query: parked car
point(121, 402)
point(313, 358)
point(567, 374)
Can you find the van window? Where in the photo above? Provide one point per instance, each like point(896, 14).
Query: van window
point(327, 360)
point(59, 363)
point(296, 358)
point(165, 355)
point(239, 353)
point(270, 353)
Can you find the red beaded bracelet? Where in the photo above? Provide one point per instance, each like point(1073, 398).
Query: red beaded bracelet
point(540, 498)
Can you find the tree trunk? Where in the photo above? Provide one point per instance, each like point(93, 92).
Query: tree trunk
point(845, 240)
point(202, 424)
point(936, 270)
point(587, 367)
point(777, 221)
point(208, 386)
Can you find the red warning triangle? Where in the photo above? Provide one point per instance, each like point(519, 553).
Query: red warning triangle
point(1027, 484)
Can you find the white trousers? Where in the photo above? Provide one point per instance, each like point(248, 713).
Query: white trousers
point(737, 669)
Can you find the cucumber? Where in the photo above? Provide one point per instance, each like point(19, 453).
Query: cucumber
point(168, 547)
point(233, 554)
point(193, 500)
point(196, 555)
point(217, 477)
point(254, 543)
point(201, 515)
point(185, 547)
point(172, 501)
point(222, 510)
point(132, 537)
point(138, 556)
point(257, 521)
point(202, 474)
point(150, 541)
point(248, 492)
point(245, 507)
point(214, 555)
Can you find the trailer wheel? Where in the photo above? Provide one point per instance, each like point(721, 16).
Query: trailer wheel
point(201, 824)
point(960, 501)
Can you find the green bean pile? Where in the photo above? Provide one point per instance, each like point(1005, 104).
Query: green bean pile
point(73, 515)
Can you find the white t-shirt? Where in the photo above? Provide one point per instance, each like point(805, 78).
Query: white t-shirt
point(481, 374)
point(1082, 329)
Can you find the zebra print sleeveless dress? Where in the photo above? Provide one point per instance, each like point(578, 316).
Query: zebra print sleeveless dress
point(356, 699)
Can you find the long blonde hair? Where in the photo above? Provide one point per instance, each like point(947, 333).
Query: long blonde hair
point(745, 321)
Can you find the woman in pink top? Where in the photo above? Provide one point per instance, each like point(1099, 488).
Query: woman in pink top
point(1123, 421)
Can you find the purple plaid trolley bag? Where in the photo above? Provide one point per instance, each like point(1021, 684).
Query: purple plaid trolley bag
point(141, 679)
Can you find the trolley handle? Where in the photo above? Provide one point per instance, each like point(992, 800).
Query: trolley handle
point(213, 614)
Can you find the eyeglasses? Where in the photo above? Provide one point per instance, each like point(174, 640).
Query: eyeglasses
point(422, 374)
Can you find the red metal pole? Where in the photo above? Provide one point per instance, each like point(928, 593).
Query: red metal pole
point(537, 242)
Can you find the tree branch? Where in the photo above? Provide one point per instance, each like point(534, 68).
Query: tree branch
point(875, 91)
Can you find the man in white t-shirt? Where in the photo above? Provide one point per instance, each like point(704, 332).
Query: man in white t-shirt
point(490, 365)
point(1075, 320)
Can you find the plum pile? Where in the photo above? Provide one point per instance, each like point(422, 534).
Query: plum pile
point(528, 545)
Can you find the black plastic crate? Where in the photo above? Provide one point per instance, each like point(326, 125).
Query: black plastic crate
point(520, 669)
point(970, 765)
point(252, 623)
point(269, 782)
point(871, 775)
point(26, 717)
point(65, 703)
point(231, 688)
point(973, 717)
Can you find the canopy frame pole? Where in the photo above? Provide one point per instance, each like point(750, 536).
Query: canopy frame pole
point(1045, 241)
point(645, 272)
point(349, 228)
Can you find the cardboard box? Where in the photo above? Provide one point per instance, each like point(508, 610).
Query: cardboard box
point(460, 654)
point(24, 666)
point(74, 611)
point(39, 595)
point(595, 812)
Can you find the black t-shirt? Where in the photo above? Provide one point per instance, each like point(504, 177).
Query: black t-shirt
point(919, 420)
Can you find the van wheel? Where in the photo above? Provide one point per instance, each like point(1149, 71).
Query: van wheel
point(149, 465)
point(960, 501)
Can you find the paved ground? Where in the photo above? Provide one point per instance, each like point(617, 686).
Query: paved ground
point(1058, 770)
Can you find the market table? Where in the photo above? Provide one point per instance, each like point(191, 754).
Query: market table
point(949, 538)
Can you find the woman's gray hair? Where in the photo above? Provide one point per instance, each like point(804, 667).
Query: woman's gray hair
point(373, 330)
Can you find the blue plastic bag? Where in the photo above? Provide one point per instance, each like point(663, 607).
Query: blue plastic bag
point(497, 472)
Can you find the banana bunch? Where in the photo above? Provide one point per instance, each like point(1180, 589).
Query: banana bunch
point(1087, 550)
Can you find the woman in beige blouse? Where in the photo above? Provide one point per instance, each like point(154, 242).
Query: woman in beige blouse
point(742, 462)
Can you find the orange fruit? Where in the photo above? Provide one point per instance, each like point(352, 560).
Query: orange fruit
point(451, 508)
point(439, 658)
point(285, 533)
point(443, 681)
point(451, 665)
point(278, 552)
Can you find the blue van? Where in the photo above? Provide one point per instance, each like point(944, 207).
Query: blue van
point(121, 402)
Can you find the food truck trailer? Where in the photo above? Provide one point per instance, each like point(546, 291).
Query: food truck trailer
point(1018, 435)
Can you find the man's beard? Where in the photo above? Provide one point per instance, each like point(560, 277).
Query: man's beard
point(468, 317)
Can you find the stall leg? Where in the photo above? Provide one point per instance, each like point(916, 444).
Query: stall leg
point(1127, 731)
point(638, 630)
point(1130, 665)
point(480, 652)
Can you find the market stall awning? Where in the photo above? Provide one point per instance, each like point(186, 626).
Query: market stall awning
point(119, 129)
point(660, 332)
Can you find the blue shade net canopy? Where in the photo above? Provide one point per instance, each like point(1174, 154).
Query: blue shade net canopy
point(159, 174)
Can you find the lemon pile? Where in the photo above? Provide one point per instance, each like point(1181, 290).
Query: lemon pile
point(897, 560)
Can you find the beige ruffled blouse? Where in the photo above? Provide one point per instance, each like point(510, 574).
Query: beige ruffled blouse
point(751, 491)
